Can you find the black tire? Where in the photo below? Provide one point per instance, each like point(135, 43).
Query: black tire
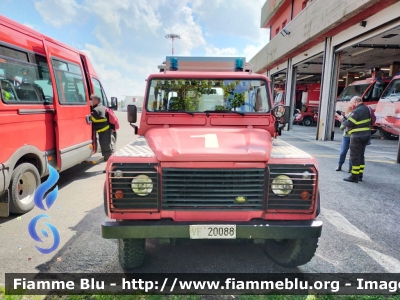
point(373, 131)
point(105, 200)
point(131, 253)
point(113, 142)
point(307, 121)
point(291, 253)
point(98, 144)
point(25, 179)
point(388, 135)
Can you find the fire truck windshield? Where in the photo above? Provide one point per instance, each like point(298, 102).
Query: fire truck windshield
point(392, 92)
point(206, 95)
point(351, 91)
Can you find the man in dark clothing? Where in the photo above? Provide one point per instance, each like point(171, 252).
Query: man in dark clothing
point(102, 126)
point(360, 134)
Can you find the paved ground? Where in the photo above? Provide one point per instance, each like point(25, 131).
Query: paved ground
point(360, 232)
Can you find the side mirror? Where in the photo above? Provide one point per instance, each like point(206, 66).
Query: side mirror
point(282, 113)
point(278, 111)
point(132, 113)
point(114, 103)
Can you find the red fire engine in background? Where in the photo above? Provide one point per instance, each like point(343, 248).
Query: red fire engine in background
point(45, 115)
point(307, 103)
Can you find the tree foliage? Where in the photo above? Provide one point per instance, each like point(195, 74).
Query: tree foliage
point(189, 93)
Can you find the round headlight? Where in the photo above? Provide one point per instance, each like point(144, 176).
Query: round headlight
point(282, 185)
point(306, 175)
point(118, 173)
point(142, 185)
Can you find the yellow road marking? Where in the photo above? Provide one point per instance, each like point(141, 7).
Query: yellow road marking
point(367, 159)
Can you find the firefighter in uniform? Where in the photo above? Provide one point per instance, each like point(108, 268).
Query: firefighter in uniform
point(102, 126)
point(360, 133)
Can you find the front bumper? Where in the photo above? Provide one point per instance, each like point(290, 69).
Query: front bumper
point(259, 229)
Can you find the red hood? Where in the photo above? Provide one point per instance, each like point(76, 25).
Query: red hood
point(210, 144)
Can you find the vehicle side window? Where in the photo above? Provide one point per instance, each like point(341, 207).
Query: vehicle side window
point(13, 53)
point(70, 84)
point(98, 89)
point(376, 91)
point(392, 92)
point(23, 81)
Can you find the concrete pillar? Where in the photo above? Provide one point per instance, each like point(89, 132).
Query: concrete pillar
point(272, 85)
point(394, 68)
point(330, 72)
point(349, 78)
point(290, 88)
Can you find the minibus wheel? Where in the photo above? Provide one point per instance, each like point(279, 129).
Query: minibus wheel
point(113, 142)
point(25, 179)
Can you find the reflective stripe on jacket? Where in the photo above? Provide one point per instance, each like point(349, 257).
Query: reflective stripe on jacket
point(360, 120)
point(99, 118)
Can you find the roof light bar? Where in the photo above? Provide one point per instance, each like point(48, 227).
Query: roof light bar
point(238, 65)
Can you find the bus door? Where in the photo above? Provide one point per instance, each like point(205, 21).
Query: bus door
point(73, 128)
point(85, 65)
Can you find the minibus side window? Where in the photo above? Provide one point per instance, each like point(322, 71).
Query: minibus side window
point(70, 84)
point(14, 53)
point(24, 82)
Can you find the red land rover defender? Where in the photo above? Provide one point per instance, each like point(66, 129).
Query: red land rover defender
point(206, 164)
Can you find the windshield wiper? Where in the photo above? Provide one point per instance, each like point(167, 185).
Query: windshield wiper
point(223, 111)
point(176, 110)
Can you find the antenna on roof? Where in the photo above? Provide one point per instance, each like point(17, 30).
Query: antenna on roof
point(172, 36)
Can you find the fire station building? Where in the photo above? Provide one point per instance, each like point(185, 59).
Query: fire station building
point(330, 42)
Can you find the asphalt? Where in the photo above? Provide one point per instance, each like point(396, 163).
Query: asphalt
point(360, 232)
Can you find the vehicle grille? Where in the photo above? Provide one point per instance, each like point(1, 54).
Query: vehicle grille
point(293, 201)
point(216, 189)
point(131, 201)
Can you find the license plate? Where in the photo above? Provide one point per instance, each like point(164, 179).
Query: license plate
point(212, 231)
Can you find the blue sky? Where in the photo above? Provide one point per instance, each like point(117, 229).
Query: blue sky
point(125, 39)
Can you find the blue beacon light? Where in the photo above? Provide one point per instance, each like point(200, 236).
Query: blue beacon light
point(239, 64)
point(174, 64)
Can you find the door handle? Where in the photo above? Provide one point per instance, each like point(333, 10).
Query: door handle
point(89, 119)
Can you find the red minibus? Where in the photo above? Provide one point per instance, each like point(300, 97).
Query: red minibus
point(45, 115)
